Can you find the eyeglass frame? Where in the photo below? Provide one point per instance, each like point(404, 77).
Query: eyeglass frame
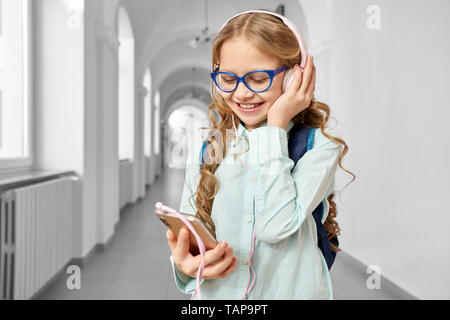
point(271, 73)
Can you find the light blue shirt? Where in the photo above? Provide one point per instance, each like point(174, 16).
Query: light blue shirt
point(275, 203)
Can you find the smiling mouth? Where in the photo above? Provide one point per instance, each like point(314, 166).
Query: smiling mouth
point(249, 105)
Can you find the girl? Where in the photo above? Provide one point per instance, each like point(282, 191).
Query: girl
point(251, 201)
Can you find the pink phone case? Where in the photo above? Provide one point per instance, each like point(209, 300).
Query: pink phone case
point(174, 223)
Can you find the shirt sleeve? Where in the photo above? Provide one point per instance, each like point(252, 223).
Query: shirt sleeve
point(283, 200)
point(185, 283)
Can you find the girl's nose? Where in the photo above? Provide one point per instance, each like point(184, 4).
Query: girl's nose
point(242, 91)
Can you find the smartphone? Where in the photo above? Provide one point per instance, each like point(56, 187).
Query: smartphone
point(174, 223)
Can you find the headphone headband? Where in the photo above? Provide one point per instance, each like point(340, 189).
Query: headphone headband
point(289, 24)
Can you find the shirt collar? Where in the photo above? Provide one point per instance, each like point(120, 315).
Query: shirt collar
point(243, 131)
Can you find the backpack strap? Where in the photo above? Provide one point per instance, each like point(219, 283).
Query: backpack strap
point(301, 140)
point(203, 153)
point(297, 142)
point(310, 139)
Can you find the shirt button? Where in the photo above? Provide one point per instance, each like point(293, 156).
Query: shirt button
point(249, 219)
point(245, 261)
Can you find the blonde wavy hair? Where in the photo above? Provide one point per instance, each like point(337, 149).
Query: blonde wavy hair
point(271, 35)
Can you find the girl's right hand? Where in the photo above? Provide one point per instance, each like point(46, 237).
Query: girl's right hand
point(297, 97)
point(189, 264)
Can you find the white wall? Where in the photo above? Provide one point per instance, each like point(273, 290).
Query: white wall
point(131, 128)
point(389, 93)
point(92, 210)
point(58, 87)
point(101, 129)
point(58, 99)
point(76, 112)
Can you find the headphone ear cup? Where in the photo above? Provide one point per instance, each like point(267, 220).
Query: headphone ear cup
point(287, 80)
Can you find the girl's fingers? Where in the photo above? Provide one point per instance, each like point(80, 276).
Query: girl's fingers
point(217, 269)
point(297, 80)
point(171, 239)
point(180, 251)
point(230, 268)
point(306, 76)
point(312, 85)
point(213, 254)
point(221, 254)
point(182, 247)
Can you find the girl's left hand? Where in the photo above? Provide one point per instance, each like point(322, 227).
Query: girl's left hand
point(296, 98)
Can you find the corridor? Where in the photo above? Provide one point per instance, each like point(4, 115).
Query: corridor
point(136, 263)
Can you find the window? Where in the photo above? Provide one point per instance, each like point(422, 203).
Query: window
point(126, 87)
point(148, 113)
point(183, 126)
point(14, 84)
point(156, 123)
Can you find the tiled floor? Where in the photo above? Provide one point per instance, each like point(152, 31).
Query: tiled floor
point(136, 263)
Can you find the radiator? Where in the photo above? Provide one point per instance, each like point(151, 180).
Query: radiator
point(35, 233)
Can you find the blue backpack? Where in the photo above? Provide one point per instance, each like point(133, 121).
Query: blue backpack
point(300, 141)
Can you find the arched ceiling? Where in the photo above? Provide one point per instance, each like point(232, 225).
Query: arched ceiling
point(158, 24)
point(182, 82)
point(191, 93)
point(163, 29)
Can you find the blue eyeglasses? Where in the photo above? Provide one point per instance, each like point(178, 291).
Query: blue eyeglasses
point(256, 81)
